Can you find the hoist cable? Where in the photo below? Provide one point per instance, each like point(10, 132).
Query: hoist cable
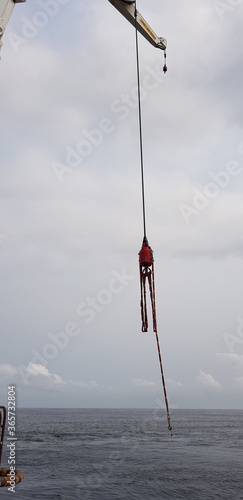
point(140, 122)
point(146, 254)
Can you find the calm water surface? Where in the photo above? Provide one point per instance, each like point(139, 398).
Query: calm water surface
point(128, 454)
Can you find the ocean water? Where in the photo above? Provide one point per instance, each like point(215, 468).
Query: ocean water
point(128, 454)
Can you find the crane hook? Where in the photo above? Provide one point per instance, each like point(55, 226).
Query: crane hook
point(165, 67)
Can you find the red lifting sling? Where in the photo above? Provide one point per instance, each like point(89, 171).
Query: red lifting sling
point(146, 266)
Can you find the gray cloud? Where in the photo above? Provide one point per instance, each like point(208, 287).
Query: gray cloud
point(64, 239)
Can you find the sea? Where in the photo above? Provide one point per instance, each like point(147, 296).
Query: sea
point(128, 454)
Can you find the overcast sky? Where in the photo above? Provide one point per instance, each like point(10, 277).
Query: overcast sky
point(71, 219)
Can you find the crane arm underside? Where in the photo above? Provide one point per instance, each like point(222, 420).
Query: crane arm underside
point(127, 9)
point(6, 9)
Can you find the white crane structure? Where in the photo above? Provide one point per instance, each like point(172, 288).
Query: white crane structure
point(126, 7)
point(6, 9)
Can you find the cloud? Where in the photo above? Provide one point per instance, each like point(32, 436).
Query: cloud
point(7, 371)
point(234, 359)
point(39, 370)
point(39, 377)
point(62, 237)
point(207, 380)
point(138, 382)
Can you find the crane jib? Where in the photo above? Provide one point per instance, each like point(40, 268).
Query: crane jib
point(128, 10)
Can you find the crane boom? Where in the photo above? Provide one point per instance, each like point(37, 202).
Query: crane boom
point(6, 9)
point(127, 9)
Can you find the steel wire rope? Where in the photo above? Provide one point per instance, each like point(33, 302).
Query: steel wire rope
point(152, 287)
point(140, 123)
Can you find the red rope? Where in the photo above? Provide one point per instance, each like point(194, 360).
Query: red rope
point(146, 264)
